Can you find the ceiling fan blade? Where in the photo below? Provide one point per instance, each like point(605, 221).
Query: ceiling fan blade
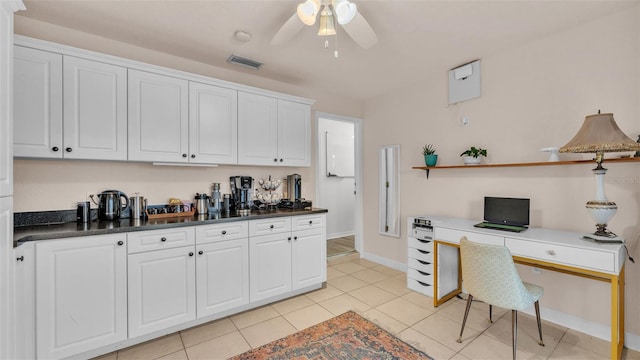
point(288, 30)
point(361, 32)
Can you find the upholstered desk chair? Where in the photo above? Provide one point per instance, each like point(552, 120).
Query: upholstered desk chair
point(489, 275)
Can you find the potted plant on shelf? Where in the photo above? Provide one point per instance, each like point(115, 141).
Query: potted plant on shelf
point(472, 155)
point(430, 156)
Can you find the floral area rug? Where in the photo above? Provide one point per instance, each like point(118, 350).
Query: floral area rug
point(348, 336)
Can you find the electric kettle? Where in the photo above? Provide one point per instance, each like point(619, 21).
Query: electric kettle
point(110, 204)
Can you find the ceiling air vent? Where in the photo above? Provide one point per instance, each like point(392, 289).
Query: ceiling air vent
point(239, 60)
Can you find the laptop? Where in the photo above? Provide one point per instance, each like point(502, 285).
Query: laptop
point(507, 214)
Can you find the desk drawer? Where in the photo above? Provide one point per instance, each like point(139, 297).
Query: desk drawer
point(566, 255)
point(420, 244)
point(419, 264)
point(454, 236)
point(420, 286)
point(422, 276)
point(423, 255)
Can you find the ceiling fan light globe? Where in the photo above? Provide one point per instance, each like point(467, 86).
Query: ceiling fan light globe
point(307, 11)
point(345, 11)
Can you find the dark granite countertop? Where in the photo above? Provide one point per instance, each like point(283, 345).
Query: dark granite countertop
point(22, 234)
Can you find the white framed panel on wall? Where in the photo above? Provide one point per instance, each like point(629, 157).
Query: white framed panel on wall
point(389, 190)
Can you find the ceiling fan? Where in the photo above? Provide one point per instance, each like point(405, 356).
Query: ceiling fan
point(343, 12)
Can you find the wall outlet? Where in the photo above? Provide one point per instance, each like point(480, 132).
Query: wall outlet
point(464, 121)
point(536, 271)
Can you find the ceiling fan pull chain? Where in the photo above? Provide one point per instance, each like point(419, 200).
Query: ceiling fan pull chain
point(335, 53)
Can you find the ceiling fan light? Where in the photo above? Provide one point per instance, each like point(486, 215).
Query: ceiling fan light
point(327, 27)
point(345, 11)
point(307, 11)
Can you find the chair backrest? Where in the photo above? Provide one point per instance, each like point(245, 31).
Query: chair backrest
point(489, 274)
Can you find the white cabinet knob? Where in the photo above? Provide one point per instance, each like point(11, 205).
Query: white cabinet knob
point(551, 252)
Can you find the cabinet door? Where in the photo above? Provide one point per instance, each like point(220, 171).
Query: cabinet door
point(158, 117)
point(213, 124)
point(37, 103)
point(81, 286)
point(294, 133)
point(95, 110)
point(309, 257)
point(257, 130)
point(161, 289)
point(222, 272)
point(269, 265)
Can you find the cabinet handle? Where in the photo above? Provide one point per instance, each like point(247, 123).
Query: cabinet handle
point(200, 252)
point(224, 232)
point(280, 160)
point(184, 155)
point(193, 156)
point(21, 258)
point(270, 226)
point(191, 253)
point(55, 148)
point(163, 239)
point(275, 160)
point(310, 222)
point(551, 252)
point(295, 238)
point(69, 149)
point(289, 238)
point(120, 243)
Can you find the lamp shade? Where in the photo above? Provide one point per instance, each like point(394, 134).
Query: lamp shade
point(600, 133)
point(345, 11)
point(307, 11)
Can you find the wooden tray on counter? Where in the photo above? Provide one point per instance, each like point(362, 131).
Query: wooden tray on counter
point(171, 215)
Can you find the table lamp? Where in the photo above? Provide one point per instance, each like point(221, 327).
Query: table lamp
point(599, 134)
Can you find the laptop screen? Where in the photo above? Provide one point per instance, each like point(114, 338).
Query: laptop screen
point(508, 211)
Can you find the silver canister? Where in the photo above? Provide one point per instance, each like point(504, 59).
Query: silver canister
point(202, 204)
point(138, 207)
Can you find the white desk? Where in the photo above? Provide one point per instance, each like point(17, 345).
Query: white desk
point(556, 250)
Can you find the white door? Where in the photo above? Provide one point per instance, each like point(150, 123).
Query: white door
point(95, 110)
point(257, 130)
point(161, 289)
point(294, 133)
point(213, 124)
point(269, 265)
point(222, 272)
point(81, 287)
point(309, 257)
point(158, 117)
point(37, 103)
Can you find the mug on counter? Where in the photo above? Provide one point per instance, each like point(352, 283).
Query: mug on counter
point(186, 206)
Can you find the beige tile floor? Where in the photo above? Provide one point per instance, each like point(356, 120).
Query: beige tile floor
point(380, 294)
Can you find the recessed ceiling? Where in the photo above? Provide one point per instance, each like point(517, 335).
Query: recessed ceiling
point(417, 39)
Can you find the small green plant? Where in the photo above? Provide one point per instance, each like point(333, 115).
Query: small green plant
point(428, 149)
point(474, 152)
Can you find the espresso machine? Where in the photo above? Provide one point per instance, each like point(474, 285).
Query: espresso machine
point(241, 194)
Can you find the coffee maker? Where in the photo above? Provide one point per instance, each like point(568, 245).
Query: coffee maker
point(241, 194)
point(293, 194)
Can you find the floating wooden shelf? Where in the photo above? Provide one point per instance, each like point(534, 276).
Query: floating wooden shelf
point(543, 163)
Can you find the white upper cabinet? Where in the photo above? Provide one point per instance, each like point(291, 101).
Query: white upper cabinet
point(37, 104)
point(95, 110)
point(213, 124)
point(257, 129)
point(92, 99)
point(294, 133)
point(158, 117)
point(273, 131)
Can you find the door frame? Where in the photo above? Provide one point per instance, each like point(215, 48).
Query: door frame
point(357, 131)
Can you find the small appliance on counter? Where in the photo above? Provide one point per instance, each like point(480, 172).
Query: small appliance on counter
point(241, 194)
point(293, 194)
point(202, 204)
point(215, 203)
point(110, 204)
point(138, 207)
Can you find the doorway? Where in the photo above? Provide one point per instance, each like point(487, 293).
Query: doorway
point(338, 174)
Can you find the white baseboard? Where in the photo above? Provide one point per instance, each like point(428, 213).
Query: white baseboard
point(601, 331)
point(339, 235)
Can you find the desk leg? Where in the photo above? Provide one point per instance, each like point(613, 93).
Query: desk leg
point(617, 315)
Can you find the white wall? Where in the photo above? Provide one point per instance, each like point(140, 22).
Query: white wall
point(336, 193)
point(533, 96)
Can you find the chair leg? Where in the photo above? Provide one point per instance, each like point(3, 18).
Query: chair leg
point(537, 306)
point(466, 313)
point(491, 313)
point(514, 331)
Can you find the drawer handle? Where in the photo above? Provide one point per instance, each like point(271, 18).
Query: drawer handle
point(423, 251)
point(55, 148)
point(224, 232)
point(551, 252)
point(424, 241)
point(423, 262)
point(423, 284)
point(310, 222)
point(163, 239)
point(270, 226)
point(423, 273)
point(289, 238)
point(120, 242)
point(200, 252)
point(21, 258)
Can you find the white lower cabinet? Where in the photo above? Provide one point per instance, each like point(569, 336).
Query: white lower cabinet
point(81, 294)
point(162, 287)
point(269, 265)
point(309, 258)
